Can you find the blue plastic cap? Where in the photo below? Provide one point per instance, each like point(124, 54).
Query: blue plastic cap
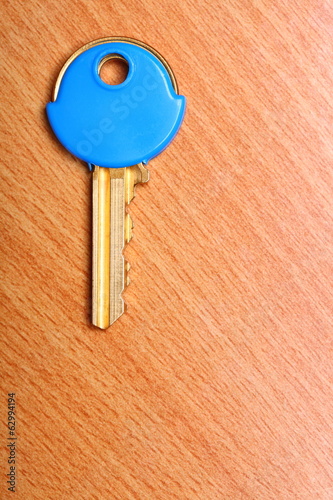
point(116, 125)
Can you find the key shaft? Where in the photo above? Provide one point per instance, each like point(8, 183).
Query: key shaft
point(113, 189)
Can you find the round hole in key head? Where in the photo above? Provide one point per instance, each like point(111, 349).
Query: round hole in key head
point(113, 69)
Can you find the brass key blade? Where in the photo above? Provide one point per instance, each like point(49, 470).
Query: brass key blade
point(113, 188)
point(108, 244)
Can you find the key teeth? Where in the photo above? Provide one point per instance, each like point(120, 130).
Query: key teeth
point(137, 174)
point(127, 269)
point(128, 228)
point(144, 173)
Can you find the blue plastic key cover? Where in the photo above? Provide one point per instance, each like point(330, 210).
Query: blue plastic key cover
point(116, 125)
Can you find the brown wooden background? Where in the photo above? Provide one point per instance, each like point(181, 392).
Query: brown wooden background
point(217, 383)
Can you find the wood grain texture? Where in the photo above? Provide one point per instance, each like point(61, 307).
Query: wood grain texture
point(217, 382)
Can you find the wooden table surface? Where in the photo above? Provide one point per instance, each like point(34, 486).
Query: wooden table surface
point(218, 381)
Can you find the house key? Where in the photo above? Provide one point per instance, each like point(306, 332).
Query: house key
point(116, 129)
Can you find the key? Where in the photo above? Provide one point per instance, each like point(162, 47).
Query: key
point(116, 130)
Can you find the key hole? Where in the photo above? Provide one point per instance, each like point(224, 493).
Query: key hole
point(113, 69)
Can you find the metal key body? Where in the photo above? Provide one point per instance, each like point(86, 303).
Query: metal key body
point(113, 189)
point(116, 129)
